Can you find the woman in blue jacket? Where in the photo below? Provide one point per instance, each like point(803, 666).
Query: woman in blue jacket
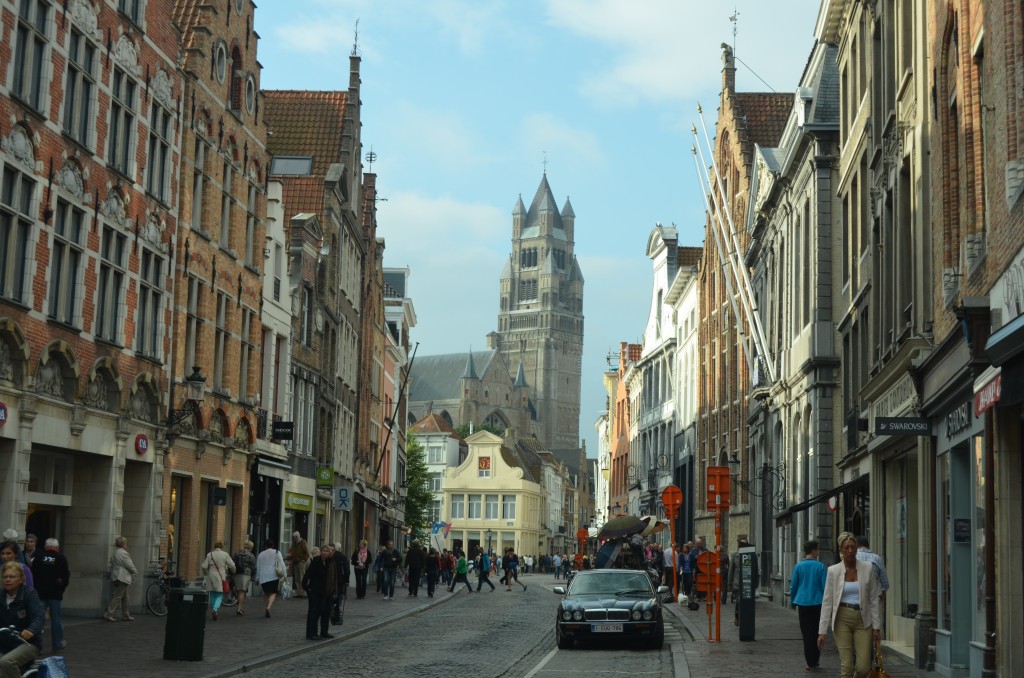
point(21, 608)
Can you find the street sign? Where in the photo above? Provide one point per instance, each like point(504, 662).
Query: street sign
point(672, 497)
point(706, 575)
point(324, 476)
point(718, 488)
point(582, 534)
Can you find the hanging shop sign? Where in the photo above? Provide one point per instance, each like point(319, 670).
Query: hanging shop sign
point(902, 426)
point(293, 501)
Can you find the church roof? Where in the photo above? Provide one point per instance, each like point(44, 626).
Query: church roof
point(543, 202)
point(520, 376)
point(567, 212)
point(520, 208)
point(438, 377)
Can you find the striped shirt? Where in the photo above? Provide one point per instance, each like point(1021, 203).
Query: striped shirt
point(869, 556)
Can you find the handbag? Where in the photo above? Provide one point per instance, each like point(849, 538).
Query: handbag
point(878, 671)
point(224, 585)
point(278, 568)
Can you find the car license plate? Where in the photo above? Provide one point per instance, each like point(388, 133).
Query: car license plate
point(606, 628)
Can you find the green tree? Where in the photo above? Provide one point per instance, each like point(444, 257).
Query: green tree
point(463, 430)
point(419, 500)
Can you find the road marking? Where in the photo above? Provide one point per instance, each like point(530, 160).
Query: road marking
point(542, 664)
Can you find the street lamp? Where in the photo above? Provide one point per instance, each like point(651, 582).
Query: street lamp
point(490, 535)
point(195, 384)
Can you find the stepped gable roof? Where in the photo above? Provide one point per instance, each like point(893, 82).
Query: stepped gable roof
point(438, 377)
point(302, 194)
point(306, 122)
point(525, 454)
point(543, 201)
point(187, 16)
point(433, 423)
point(765, 114)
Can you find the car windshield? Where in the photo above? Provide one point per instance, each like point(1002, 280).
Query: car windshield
point(611, 583)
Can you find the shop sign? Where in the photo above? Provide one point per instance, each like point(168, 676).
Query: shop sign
point(3, 414)
point(959, 420)
point(897, 399)
point(282, 430)
point(988, 395)
point(293, 501)
point(902, 426)
point(141, 444)
point(343, 497)
point(324, 476)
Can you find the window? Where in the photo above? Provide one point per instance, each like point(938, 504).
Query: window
point(66, 262)
point(193, 323)
point(491, 507)
point(458, 507)
point(147, 321)
point(508, 507)
point(160, 134)
point(306, 328)
point(435, 482)
point(225, 205)
point(250, 225)
point(198, 183)
point(15, 232)
point(131, 9)
point(110, 288)
point(245, 359)
point(220, 62)
point(250, 95)
point(220, 343)
point(435, 511)
point(122, 121)
point(435, 454)
point(30, 52)
point(303, 403)
point(527, 290)
point(474, 506)
point(79, 87)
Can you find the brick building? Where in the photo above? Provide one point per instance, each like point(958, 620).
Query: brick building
point(92, 108)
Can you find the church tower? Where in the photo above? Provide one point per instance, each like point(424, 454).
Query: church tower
point(540, 322)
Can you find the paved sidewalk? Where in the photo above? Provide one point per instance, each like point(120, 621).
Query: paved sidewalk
point(776, 651)
point(97, 648)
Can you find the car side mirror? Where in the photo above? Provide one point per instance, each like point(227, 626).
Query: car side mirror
point(560, 590)
point(663, 589)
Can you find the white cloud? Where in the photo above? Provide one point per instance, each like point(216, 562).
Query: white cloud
point(447, 137)
point(548, 132)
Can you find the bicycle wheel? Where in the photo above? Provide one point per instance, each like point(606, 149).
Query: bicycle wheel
point(156, 599)
point(230, 599)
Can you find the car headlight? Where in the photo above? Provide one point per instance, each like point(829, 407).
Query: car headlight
point(566, 615)
point(636, 615)
point(648, 615)
point(578, 615)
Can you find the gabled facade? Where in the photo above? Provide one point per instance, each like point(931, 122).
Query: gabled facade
point(442, 448)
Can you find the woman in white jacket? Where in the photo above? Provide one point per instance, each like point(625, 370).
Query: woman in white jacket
point(269, 571)
point(851, 607)
point(216, 568)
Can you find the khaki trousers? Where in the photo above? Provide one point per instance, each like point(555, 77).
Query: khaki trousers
point(854, 642)
point(119, 599)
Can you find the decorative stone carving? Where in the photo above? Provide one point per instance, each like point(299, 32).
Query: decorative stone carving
point(18, 144)
point(217, 428)
point(189, 427)
point(153, 231)
point(6, 362)
point(96, 393)
point(70, 179)
point(49, 380)
point(764, 183)
point(113, 209)
point(200, 449)
point(83, 15)
point(242, 434)
point(161, 88)
point(141, 407)
point(77, 420)
point(126, 55)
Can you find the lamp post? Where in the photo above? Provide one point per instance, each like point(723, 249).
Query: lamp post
point(490, 535)
point(195, 384)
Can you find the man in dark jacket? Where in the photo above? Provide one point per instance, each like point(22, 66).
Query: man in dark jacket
point(320, 582)
point(51, 574)
point(389, 566)
point(414, 560)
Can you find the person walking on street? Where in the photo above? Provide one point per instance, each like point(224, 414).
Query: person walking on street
point(850, 605)
point(122, 573)
point(389, 566)
point(361, 562)
point(378, 568)
point(806, 589)
point(52, 574)
point(20, 607)
point(461, 574)
point(270, 570)
point(485, 570)
point(30, 552)
point(685, 573)
point(414, 560)
point(216, 568)
point(431, 566)
point(556, 561)
point(298, 560)
point(864, 553)
point(321, 583)
point(245, 570)
point(512, 572)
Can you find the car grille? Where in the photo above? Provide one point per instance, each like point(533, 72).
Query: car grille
point(606, 615)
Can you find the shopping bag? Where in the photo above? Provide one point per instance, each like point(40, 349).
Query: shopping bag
point(53, 667)
point(878, 670)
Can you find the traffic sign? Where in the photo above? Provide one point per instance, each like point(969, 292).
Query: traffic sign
point(672, 497)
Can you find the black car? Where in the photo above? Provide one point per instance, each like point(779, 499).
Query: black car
point(603, 604)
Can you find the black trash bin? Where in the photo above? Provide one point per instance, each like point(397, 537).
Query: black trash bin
point(186, 624)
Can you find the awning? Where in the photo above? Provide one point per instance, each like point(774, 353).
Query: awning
point(271, 468)
point(824, 496)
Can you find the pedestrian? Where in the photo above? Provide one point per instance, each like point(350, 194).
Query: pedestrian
point(216, 568)
point(461, 573)
point(344, 572)
point(52, 574)
point(245, 570)
point(806, 589)
point(668, 564)
point(512, 572)
point(378, 568)
point(21, 608)
point(686, 574)
point(320, 582)
point(415, 560)
point(298, 561)
point(483, 574)
point(556, 561)
point(864, 552)
point(29, 554)
point(850, 606)
point(389, 567)
point(122, 573)
point(361, 563)
point(432, 566)
point(9, 552)
point(447, 567)
point(270, 570)
point(695, 552)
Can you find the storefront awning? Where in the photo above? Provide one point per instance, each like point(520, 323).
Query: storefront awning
point(824, 496)
point(272, 468)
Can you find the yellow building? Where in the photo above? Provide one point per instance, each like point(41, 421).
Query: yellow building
point(494, 498)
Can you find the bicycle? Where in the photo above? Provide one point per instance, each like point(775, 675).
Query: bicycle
point(158, 592)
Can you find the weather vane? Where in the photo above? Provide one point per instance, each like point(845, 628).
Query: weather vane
point(545, 162)
point(735, 19)
point(355, 41)
point(370, 158)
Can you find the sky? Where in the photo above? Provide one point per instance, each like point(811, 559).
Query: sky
point(466, 103)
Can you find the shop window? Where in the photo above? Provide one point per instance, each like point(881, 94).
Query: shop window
point(51, 474)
